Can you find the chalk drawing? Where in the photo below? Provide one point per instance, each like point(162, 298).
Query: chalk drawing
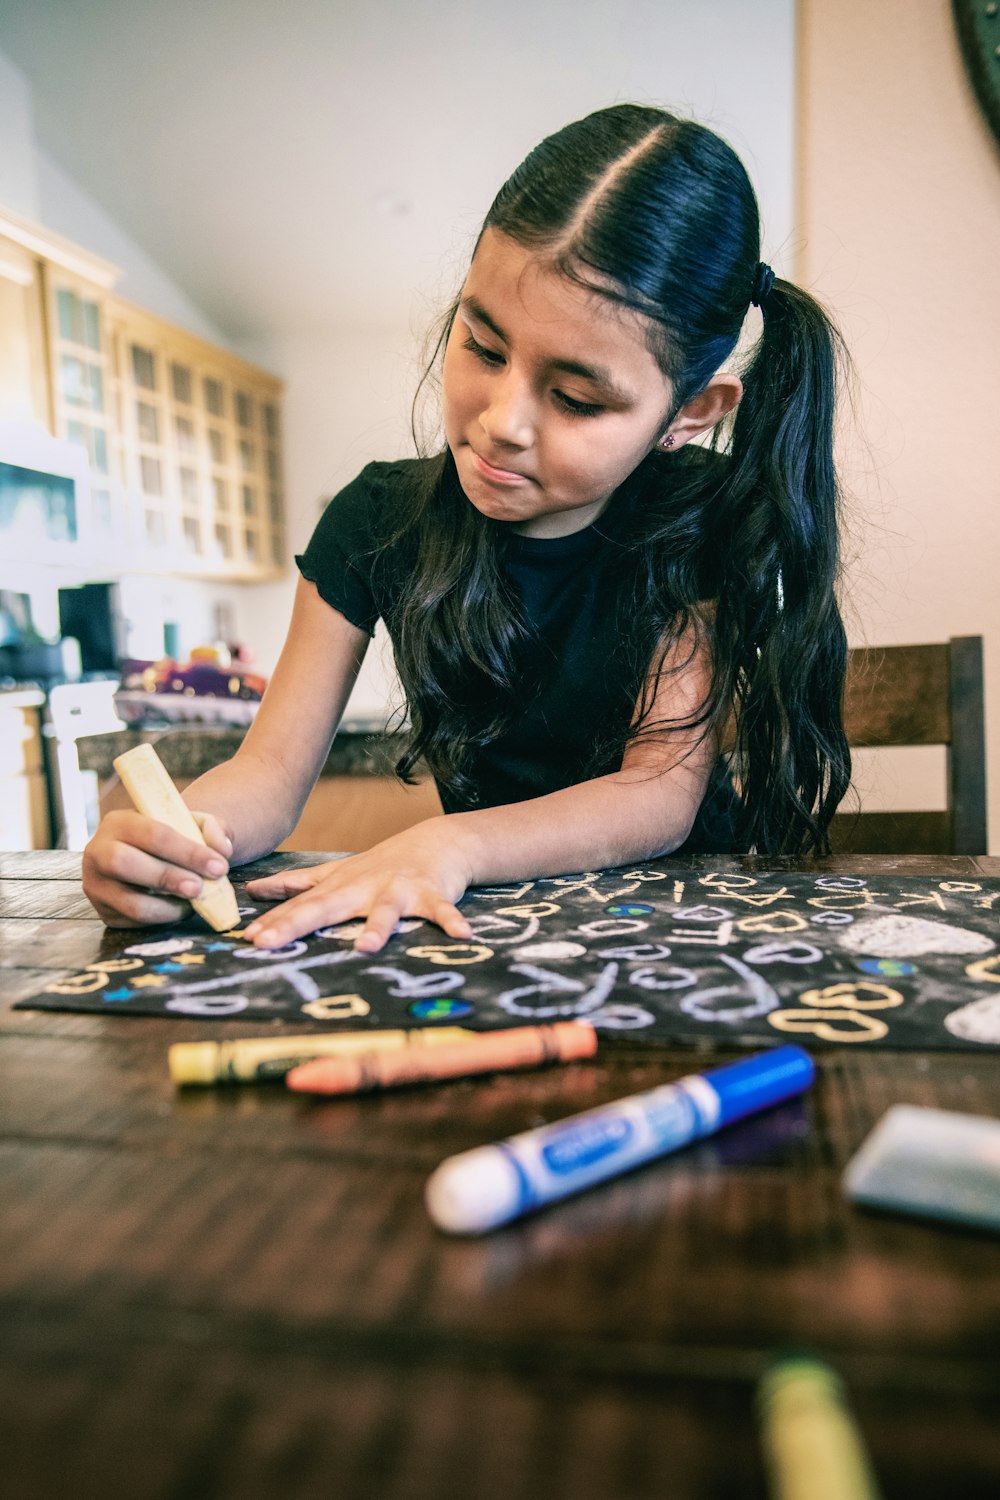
point(976, 1022)
point(896, 936)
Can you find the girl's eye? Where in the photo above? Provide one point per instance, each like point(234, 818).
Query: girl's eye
point(484, 355)
point(493, 360)
point(578, 408)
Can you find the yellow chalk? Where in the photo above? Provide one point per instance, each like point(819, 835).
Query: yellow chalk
point(145, 778)
point(812, 1448)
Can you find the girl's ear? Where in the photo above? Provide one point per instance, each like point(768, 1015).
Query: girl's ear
point(721, 396)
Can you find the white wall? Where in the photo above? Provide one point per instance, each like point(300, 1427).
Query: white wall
point(347, 401)
point(18, 168)
point(899, 203)
point(66, 208)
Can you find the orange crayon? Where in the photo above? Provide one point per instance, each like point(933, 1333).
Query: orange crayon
point(490, 1052)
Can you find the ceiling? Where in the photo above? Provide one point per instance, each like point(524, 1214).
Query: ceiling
point(315, 164)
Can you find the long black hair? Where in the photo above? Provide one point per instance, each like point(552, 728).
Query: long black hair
point(658, 215)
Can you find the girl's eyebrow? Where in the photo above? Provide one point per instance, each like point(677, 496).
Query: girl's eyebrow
point(475, 309)
point(596, 374)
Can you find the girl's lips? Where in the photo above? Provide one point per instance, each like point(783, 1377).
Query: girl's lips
point(495, 475)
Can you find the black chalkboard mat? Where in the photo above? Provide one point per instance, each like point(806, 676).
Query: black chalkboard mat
point(643, 953)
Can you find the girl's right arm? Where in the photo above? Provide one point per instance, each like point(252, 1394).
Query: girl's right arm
point(137, 872)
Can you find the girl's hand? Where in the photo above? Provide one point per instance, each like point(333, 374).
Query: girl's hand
point(418, 873)
point(138, 873)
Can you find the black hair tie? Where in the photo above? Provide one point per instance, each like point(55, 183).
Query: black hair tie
point(763, 281)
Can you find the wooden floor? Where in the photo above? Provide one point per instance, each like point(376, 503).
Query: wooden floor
point(237, 1294)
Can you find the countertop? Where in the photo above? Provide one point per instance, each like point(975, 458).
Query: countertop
point(363, 747)
point(19, 696)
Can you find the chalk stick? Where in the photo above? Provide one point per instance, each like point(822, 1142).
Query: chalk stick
point(145, 778)
point(813, 1449)
point(256, 1059)
point(488, 1052)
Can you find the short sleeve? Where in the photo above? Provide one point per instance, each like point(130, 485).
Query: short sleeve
point(341, 553)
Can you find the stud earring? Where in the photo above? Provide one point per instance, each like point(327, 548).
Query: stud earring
point(668, 441)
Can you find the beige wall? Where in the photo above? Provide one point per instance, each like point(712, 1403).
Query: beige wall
point(898, 220)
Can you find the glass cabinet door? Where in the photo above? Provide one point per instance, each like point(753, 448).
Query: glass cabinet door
point(182, 438)
point(151, 476)
point(82, 396)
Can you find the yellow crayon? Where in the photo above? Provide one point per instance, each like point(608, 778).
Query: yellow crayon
point(812, 1448)
point(148, 783)
point(256, 1059)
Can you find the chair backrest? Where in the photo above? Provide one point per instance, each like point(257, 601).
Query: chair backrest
point(920, 695)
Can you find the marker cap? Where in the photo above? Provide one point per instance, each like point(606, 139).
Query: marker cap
point(762, 1080)
point(473, 1192)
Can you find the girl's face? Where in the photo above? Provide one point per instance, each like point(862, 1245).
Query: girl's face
point(551, 397)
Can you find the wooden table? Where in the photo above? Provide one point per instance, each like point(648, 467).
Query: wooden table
point(232, 1294)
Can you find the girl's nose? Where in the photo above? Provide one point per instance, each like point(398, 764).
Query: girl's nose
point(509, 420)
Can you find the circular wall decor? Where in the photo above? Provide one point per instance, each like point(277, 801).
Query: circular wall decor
point(978, 24)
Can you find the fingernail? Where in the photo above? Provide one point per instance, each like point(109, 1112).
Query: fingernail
point(189, 887)
point(216, 866)
point(252, 930)
point(227, 844)
point(266, 938)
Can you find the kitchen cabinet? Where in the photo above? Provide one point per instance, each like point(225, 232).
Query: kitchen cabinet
point(182, 438)
point(24, 811)
point(80, 384)
point(23, 362)
point(200, 446)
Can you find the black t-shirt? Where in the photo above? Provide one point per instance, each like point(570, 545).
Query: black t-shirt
point(580, 687)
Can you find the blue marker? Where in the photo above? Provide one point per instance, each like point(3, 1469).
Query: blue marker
point(481, 1189)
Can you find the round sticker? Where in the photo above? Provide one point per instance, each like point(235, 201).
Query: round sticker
point(628, 909)
point(439, 1010)
point(889, 968)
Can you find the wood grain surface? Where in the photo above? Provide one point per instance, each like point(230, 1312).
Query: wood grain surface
point(237, 1293)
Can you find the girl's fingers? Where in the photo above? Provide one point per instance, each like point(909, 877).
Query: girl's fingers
point(280, 887)
point(451, 919)
point(379, 927)
point(121, 906)
point(289, 882)
point(381, 910)
point(301, 915)
point(128, 866)
point(138, 872)
point(405, 876)
point(214, 834)
point(382, 920)
point(146, 836)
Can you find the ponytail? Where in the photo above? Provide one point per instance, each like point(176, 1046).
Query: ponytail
point(781, 641)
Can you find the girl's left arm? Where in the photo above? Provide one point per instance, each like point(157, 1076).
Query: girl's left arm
point(644, 809)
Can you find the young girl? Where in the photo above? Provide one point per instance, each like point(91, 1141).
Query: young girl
point(614, 644)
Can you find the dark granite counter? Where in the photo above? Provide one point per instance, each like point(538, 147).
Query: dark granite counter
point(188, 750)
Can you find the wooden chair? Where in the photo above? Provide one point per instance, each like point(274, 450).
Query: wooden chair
point(919, 695)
